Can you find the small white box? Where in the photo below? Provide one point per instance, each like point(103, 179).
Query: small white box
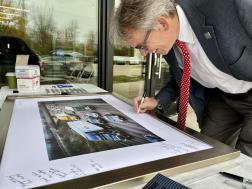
point(26, 72)
point(31, 84)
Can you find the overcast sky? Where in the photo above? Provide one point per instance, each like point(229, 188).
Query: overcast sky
point(82, 11)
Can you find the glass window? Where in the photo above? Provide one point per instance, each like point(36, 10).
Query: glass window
point(129, 72)
point(61, 34)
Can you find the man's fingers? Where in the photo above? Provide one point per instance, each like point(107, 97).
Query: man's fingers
point(136, 102)
point(146, 104)
point(149, 104)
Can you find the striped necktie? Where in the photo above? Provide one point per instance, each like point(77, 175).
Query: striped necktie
point(184, 86)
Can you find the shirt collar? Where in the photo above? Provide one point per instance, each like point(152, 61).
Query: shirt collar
point(185, 30)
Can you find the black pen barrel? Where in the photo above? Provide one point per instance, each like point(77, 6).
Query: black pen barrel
point(235, 177)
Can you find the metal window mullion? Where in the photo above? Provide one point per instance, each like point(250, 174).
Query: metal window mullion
point(105, 49)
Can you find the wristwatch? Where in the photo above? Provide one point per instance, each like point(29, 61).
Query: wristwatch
point(159, 107)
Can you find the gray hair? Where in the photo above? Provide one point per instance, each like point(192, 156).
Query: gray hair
point(138, 14)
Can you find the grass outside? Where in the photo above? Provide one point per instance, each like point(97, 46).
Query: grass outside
point(123, 78)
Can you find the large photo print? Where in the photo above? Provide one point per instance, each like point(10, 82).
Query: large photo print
point(76, 127)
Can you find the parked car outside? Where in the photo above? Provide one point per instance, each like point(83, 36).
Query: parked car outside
point(122, 60)
point(135, 60)
point(64, 58)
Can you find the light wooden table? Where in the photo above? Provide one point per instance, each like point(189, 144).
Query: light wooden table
point(202, 178)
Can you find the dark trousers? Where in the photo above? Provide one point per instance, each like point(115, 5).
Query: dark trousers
point(227, 114)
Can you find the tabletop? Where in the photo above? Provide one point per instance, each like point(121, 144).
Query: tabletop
point(207, 177)
point(50, 90)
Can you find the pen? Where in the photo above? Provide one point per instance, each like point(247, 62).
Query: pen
point(236, 177)
point(237, 185)
point(142, 100)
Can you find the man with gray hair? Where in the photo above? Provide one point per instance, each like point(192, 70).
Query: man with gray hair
point(208, 45)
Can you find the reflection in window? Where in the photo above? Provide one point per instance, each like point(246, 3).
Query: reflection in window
point(61, 33)
point(129, 72)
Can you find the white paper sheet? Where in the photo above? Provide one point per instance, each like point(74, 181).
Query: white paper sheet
point(25, 162)
point(22, 60)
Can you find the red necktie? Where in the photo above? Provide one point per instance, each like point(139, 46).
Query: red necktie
point(184, 86)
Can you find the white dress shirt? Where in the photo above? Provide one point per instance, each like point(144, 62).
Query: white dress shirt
point(202, 69)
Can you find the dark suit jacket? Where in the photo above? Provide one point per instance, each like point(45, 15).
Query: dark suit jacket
point(228, 47)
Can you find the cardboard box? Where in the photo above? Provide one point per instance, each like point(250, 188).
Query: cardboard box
point(27, 72)
point(31, 84)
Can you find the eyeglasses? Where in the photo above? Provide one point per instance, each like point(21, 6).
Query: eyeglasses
point(143, 45)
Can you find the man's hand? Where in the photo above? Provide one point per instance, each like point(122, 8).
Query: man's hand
point(148, 104)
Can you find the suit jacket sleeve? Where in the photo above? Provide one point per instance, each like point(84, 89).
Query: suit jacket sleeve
point(169, 93)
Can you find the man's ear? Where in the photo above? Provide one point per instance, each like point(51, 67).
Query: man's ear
point(163, 23)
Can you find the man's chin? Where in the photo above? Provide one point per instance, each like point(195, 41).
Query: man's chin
point(164, 52)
